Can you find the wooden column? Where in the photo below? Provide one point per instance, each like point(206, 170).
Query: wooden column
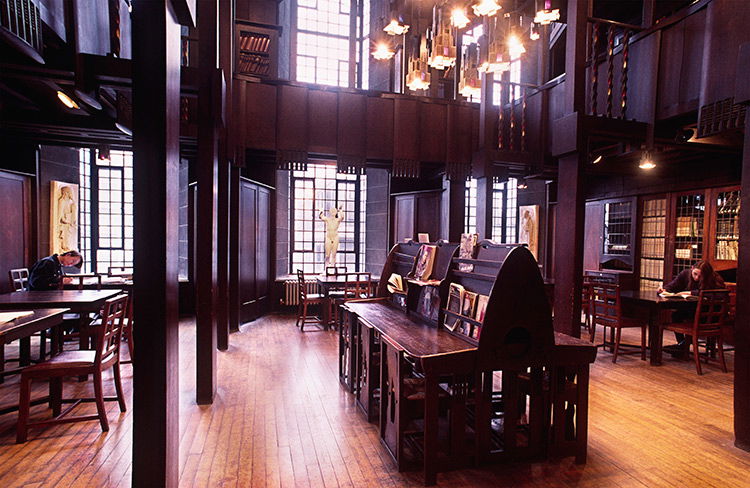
point(569, 144)
point(484, 207)
point(206, 222)
point(226, 153)
point(569, 244)
point(156, 154)
point(742, 320)
point(234, 249)
point(453, 206)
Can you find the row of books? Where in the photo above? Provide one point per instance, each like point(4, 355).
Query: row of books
point(467, 304)
point(652, 268)
point(652, 247)
point(727, 250)
point(254, 64)
point(689, 227)
point(654, 227)
point(254, 42)
point(728, 228)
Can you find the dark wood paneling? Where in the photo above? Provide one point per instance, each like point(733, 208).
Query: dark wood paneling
point(292, 123)
point(260, 115)
point(403, 218)
point(742, 320)
point(263, 251)
point(432, 124)
point(458, 133)
point(428, 214)
point(379, 128)
point(248, 233)
point(406, 129)
point(15, 225)
point(323, 120)
point(352, 133)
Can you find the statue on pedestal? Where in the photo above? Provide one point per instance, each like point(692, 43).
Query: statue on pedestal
point(332, 220)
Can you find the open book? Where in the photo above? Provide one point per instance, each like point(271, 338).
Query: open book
point(681, 294)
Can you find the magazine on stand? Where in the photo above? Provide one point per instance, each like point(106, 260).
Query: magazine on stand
point(466, 251)
point(455, 299)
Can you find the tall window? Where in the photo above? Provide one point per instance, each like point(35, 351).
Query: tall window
point(320, 188)
point(106, 210)
point(505, 211)
point(324, 39)
point(470, 215)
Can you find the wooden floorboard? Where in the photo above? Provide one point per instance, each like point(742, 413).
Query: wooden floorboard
point(281, 419)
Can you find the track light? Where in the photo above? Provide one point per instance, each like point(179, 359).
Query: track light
point(66, 100)
point(597, 159)
point(647, 162)
point(522, 184)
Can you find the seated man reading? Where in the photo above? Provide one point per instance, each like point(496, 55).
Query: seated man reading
point(47, 272)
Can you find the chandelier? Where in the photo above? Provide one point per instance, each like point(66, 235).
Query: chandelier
point(418, 77)
point(443, 48)
point(547, 15)
point(470, 85)
point(396, 28)
point(486, 7)
point(382, 51)
point(497, 59)
point(459, 20)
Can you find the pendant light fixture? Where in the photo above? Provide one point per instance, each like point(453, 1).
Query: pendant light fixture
point(443, 47)
point(418, 76)
point(486, 8)
point(382, 51)
point(459, 19)
point(470, 85)
point(396, 28)
point(547, 15)
point(496, 60)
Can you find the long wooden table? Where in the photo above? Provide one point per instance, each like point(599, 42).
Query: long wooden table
point(77, 301)
point(22, 329)
point(440, 353)
point(650, 303)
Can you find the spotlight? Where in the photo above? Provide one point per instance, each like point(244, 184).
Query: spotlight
point(103, 151)
point(522, 184)
point(597, 159)
point(66, 100)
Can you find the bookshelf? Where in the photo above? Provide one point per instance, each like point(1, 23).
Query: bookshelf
point(727, 234)
point(653, 237)
point(256, 47)
point(689, 222)
point(618, 221)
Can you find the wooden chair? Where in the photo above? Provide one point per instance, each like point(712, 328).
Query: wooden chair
point(606, 310)
point(708, 323)
point(19, 279)
point(77, 363)
point(586, 304)
point(120, 271)
point(335, 270)
point(357, 285)
point(305, 300)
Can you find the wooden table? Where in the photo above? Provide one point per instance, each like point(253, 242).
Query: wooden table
point(22, 329)
point(652, 304)
point(329, 283)
point(89, 282)
point(77, 301)
point(437, 351)
point(440, 353)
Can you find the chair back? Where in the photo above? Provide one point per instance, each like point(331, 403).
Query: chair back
point(19, 279)
point(335, 270)
point(605, 304)
point(711, 311)
point(109, 335)
point(301, 285)
point(358, 285)
point(586, 294)
point(121, 271)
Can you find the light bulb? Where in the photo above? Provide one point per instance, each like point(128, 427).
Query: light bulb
point(459, 18)
point(382, 51)
point(66, 100)
point(486, 7)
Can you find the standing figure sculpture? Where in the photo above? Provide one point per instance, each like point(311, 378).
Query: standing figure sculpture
point(67, 223)
point(332, 220)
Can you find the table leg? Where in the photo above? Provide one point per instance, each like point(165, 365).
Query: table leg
point(654, 337)
point(24, 352)
point(430, 428)
point(84, 341)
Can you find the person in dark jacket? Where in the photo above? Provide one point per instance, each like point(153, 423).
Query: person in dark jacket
point(701, 276)
point(47, 272)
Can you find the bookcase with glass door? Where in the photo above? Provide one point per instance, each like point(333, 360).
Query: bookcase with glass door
point(677, 229)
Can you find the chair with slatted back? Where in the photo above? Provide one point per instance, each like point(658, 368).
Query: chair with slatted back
point(305, 300)
point(78, 363)
point(19, 282)
point(127, 330)
point(586, 304)
point(606, 310)
point(708, 323)
point(19, 279)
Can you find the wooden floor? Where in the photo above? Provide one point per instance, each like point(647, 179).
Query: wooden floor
point(281, 419)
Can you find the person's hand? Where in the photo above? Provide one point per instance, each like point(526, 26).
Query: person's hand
point(67, 281)
point(660, 290)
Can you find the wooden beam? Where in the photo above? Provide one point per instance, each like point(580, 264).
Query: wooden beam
point(453, 206)
point(206, 244)
point(156, 115)
point(742, 320)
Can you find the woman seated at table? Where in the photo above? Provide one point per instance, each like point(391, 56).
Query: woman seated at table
point(701, 276)
point(47, 272)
